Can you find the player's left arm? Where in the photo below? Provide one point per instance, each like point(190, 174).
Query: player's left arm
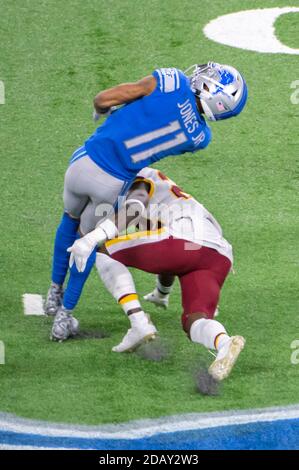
point(124, 93)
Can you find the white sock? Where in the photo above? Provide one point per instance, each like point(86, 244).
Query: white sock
point(221, 340)
point(137, 319)
point(159, 295)
point(160, 290)
point(131, 302)
point(115, 276)
point(119, 282)
point(206, 331)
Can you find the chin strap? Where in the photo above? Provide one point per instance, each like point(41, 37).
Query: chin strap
point(208, 113)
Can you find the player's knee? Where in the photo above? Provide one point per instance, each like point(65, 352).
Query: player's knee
point(71, 215)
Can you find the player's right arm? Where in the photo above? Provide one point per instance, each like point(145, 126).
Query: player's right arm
point(124, 93)
point(129, 214)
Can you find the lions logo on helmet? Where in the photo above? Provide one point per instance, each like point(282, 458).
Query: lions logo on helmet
point(221, 89)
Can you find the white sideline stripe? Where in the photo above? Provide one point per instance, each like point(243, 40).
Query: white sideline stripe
point(33, 304)
point(17, 447)
point(146, 428)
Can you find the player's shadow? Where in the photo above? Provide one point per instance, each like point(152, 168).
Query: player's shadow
point(156, 350)
point(205, 384)
point(91, 334)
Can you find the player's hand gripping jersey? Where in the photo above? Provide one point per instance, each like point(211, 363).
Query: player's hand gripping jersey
point(166, 122)
point(181, 215)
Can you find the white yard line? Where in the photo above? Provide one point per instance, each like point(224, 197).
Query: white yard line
point(33, 304)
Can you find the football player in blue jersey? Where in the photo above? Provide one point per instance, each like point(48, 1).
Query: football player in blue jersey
point(162, 115)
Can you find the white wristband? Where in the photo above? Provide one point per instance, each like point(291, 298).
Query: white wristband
point(109, 228)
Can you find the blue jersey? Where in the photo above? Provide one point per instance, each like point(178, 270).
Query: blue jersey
point(166, 122)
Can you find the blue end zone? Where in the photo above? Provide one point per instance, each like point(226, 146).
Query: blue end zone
point(282, 434)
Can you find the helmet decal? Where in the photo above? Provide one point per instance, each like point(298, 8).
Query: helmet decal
point(221, 89)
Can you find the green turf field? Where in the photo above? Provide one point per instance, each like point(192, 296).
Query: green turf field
point(54, 57)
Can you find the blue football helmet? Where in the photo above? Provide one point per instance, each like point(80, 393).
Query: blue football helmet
point(221, 89)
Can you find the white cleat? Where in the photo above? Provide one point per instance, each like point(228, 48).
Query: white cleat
point(226, 358)
point(136, 336)
point(157, 299)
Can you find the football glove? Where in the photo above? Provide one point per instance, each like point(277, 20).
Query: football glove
point(82, 248)
point(104, 113)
